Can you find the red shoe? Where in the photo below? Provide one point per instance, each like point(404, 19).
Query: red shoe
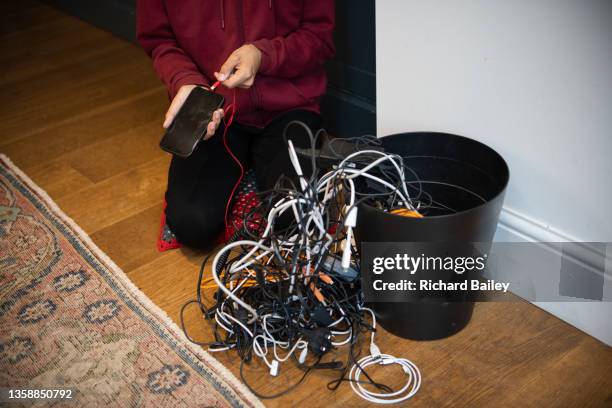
point(166, 239)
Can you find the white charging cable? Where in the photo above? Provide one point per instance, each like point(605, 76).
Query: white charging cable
point(413, 382)
point(350, 222)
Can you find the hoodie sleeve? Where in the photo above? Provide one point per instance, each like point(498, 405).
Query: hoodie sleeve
point(304, 49)
point(173, 66)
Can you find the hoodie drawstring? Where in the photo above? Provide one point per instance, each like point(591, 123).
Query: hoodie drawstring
point(221, 3)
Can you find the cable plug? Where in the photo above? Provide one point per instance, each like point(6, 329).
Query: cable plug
point(319, 340)
point(386, 361)
point(274, 368)
point(350, 221)
point(303, 354)
point(374, 350)
point(351, 218)
point(215, 85)
point(346, 253)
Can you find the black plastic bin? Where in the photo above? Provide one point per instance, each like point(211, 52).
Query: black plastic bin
point(451, 159)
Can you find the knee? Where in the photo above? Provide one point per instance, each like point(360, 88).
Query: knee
point(194, 226)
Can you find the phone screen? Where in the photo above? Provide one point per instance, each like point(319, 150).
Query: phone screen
point(189, 125)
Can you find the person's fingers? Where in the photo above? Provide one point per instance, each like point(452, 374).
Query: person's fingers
point(236, 79)
point(216, 118)
point(220, 77)
point(214, 123)
point(227, 68)
point(210, 130)
point(175, 106)
point(172, 111)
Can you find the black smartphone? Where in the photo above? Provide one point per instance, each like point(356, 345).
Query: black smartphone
point(189, 125)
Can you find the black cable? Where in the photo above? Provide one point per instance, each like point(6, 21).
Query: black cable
point(278, 394)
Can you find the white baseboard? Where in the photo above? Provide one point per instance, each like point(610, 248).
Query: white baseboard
point(594, 318)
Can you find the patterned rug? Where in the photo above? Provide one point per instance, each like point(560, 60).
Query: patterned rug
point(70, 318)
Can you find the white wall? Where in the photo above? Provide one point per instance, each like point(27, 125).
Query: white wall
point(532, 79)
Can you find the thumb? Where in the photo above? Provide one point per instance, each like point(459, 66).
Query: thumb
point(175, 106)
point(227, 68)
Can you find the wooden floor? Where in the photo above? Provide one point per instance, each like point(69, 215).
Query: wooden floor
point(81, 114)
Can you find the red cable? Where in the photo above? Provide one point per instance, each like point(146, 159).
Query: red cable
point(228, 122)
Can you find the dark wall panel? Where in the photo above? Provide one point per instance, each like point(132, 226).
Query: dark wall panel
point(349, 107)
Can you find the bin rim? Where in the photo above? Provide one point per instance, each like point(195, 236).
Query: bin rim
point(471, 209)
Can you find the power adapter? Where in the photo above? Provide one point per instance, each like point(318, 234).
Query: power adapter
point(319, 340)
point(321, 316)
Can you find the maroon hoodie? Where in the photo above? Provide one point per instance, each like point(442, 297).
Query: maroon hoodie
point(189, 40)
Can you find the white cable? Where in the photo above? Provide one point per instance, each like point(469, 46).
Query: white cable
point(386, 156)
point(296, 165)
point(239, 323)
point(217, 349)
point(342, 168)
point(411, 387)
point(413, 382)
point(345, 341)
point(222, 286)
point(350, 222)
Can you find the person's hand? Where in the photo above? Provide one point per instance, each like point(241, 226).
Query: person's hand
point(214, 124)
point(179, 100)
point(240, 68)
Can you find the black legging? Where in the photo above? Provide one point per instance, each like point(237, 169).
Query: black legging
point(200, 185)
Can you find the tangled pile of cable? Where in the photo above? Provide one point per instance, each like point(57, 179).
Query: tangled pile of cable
point(287, 286)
